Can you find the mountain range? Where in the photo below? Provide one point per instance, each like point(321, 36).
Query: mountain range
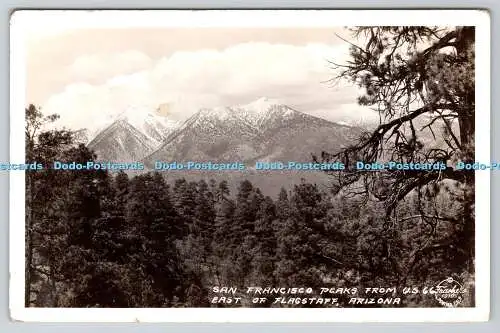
point(131, 135)
point(263, 130)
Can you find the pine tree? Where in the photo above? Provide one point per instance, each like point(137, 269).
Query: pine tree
point(155, 226)
point(44, 189)
point(300, 256)
point(434, 70)
point(221, 251)
point(265, 250)
point(82, 210)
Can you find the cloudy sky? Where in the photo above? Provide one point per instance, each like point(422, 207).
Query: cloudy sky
point(86, 75)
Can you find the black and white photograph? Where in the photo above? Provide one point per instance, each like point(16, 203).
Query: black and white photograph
point(296, 165)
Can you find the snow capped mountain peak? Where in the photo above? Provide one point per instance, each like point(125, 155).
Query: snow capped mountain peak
point(150, 129)
point(220, 112)
point(121, 141)
point(264, 111)
point(260, 105)
point(254, 117)
point(264, 129)
point(154, 126)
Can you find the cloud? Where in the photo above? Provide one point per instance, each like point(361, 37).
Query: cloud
point(190, 80)
point(350, 113)
point(95, 66)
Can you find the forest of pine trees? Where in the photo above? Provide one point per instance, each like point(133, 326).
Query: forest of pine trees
point(99, 239)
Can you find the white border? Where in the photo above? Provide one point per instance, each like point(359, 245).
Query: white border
point(61, 20)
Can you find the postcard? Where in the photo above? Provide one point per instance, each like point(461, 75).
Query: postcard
point(249, 165)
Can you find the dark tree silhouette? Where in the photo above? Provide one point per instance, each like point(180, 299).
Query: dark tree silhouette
point(421, 82)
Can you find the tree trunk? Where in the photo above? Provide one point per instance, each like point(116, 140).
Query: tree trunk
point(29, 241)
point(466, 122)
